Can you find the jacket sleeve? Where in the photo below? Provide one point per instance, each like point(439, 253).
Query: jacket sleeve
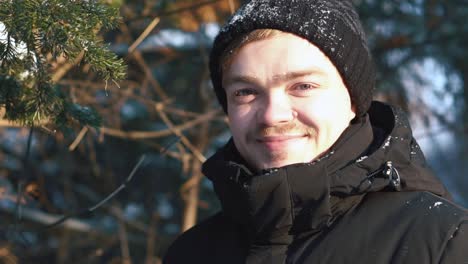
point(456, 249)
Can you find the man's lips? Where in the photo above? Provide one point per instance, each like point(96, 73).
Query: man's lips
point(279, 138)
point(278, 142)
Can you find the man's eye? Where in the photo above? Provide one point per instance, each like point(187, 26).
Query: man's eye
point(304, 87)
point(243, 96)
point(244, 92)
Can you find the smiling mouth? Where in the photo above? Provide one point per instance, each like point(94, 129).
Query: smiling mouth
point(278, 143)
point(279, 138)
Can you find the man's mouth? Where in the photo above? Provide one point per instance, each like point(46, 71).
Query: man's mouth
point(279, 138)
point(279, 141)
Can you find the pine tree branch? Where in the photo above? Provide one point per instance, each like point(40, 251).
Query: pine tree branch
point(47, 32)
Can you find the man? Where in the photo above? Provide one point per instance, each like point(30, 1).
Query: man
point(315, 172)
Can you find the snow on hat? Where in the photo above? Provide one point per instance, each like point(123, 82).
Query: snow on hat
point(331, 25)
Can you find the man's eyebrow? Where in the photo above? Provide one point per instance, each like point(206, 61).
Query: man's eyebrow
point(240, 79)
point(279, 77)
point(296, 74)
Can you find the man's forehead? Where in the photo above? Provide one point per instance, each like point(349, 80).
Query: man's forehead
point(234, 78)
point(287, 53)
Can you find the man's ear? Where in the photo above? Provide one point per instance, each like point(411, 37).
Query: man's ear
point(352, 114)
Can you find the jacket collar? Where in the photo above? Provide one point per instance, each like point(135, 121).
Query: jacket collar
point(281, 202)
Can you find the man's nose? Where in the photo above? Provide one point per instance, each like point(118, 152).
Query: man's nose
point(275, 109)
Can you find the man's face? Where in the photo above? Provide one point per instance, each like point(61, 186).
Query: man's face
point(286, 102)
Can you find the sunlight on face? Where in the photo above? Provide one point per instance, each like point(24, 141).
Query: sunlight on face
point(286, 101)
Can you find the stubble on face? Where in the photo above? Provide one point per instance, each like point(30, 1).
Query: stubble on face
point(294, 128)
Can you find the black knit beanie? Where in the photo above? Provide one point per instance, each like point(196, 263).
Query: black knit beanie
point(331, 25)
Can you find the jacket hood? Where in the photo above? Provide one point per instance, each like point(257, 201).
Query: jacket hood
point(375, 153)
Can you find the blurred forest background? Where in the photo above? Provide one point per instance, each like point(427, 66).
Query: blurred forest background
point(101, 164)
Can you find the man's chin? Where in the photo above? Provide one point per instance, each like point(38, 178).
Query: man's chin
point(271, 164)
point(262, 159)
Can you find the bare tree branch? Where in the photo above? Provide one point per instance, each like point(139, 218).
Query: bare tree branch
point(96, 206)
point(151, 239)
point(124, 248)
point(197, 153)
point(49, 220)
point(145, 34)
point(78, 138)
point(64, 69)
point(207, 117)
point(178, 11)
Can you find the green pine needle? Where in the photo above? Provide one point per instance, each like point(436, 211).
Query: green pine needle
point(34, 30)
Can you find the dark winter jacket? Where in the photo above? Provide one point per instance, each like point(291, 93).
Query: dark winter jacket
point(371, 199)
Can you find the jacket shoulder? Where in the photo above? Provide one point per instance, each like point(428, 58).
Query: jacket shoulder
point(430, 226)
point(408, 208)
point(210, 241)
point(455, 249)
point(434, 209)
